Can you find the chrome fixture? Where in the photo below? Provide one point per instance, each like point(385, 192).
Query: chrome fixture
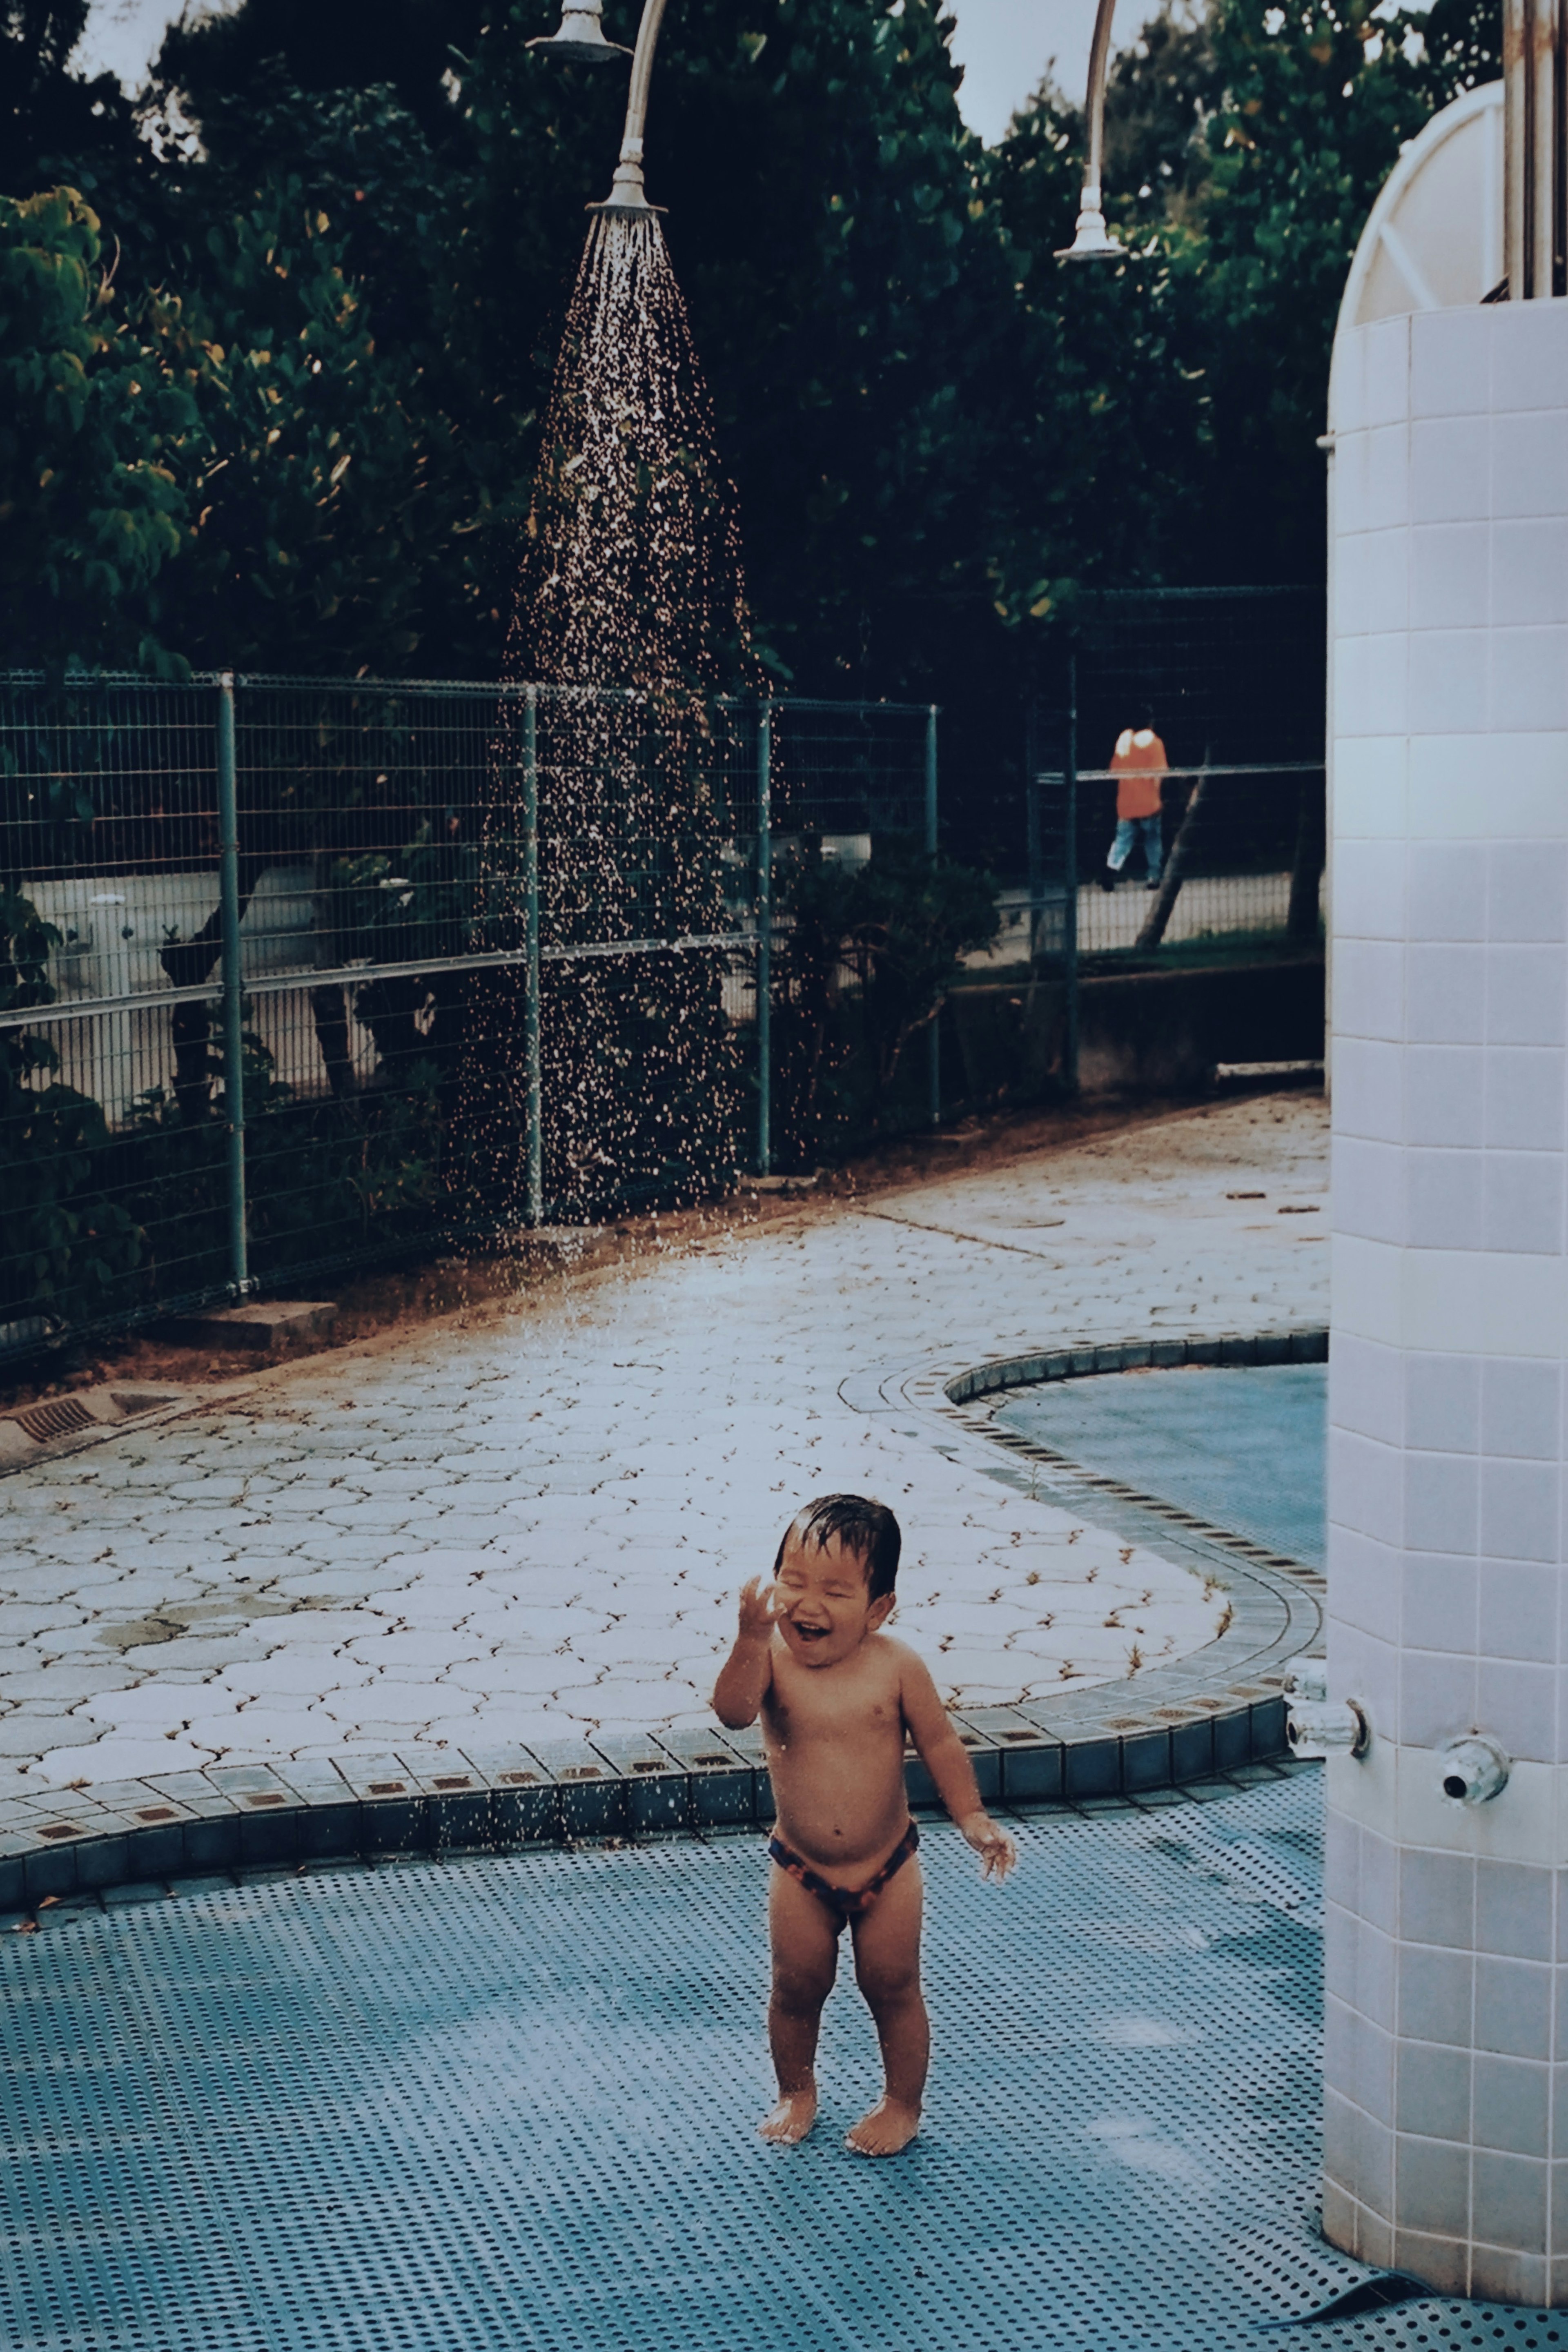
point(579, 38)
point(1473, 1769)
point(1315, 1726)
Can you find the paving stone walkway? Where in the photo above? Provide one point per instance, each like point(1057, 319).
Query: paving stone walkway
point(533, 1522)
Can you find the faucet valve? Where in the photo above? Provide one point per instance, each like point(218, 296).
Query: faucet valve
point(1316, 1727)
point(1473, 1769)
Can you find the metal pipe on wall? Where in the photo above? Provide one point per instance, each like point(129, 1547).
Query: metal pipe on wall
point(1535, 148)
point(1092, 241)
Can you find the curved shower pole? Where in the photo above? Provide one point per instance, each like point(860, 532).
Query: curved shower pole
point(627, 192)
point(580, 39)
point(1093, 241)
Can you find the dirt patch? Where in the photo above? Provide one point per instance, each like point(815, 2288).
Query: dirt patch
point(376, 1304)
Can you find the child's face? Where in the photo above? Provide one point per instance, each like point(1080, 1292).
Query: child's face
point(827, 1609)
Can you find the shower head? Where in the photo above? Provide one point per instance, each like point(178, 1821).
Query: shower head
point(627, 199)
point(579, 38)
point(1093, 241)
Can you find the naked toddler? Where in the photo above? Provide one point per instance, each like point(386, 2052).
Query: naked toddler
point(838, 1699)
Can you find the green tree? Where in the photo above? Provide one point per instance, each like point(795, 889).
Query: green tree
point(104, 432)
point(833, 235)
point(1109, 420)
point(900, 925)
point(57, 125)
point(313, 544)
point(1163, 92)
point(69, 1249)
point(1246, 147)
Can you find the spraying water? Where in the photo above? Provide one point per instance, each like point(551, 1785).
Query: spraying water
point(631, 620)
point(636, 571)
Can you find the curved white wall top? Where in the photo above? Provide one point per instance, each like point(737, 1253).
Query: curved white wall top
point(1434, 238)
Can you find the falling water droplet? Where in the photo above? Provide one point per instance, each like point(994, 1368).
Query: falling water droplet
point(631, 621)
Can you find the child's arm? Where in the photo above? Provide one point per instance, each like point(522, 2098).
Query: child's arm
point(742, 1686)
point(946, 1759)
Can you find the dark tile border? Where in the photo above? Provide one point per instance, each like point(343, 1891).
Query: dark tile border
point(86, 1854)
point(1308, 1347)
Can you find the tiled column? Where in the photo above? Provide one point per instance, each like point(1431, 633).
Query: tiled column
point(1446, 2150)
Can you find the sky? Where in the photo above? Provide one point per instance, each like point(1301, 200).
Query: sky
point(1004, 46)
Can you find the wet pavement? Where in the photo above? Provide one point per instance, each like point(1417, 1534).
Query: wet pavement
point(522, 1523)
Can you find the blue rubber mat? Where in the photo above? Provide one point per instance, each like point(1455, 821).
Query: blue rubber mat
point(1242, 1448)
point(509, 2101)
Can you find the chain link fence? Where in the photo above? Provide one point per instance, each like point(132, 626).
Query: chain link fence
point(297, 974)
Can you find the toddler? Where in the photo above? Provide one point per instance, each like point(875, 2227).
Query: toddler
point(839, 1698)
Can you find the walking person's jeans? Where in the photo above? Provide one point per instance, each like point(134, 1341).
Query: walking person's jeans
point(1130, 829)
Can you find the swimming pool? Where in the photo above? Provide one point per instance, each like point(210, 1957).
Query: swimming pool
point(1242, 1446)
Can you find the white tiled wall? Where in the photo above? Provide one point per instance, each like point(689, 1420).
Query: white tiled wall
point(1447, 2044)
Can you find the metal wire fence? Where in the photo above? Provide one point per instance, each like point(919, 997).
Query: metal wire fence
point(295, 973)
point(1230, 683)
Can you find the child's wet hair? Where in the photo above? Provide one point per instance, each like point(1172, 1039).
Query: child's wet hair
point(866, 1529)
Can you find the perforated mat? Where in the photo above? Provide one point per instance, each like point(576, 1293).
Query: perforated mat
point(509, 2101)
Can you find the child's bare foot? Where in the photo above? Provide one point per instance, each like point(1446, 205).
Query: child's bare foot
point(885, 2131)
point(789, 2122)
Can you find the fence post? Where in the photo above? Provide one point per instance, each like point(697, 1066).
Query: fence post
point(1069, 887)
point(1035, 853)
point(935, 1048)
point(764, 938)
point(233, 988)
point(533, 1205)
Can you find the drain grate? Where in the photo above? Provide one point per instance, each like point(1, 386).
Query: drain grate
point(59, 1417)
point(67, 1416)
point(508, 2101)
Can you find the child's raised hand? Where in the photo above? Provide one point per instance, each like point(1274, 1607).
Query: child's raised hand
point(758, 1613)
point(997, 1850)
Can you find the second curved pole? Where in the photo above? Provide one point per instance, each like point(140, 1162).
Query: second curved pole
point(627, 194)
point(1092, 242)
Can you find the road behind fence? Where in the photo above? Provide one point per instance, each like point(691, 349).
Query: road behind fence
point(1231, 681)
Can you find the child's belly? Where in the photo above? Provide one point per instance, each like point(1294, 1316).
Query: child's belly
point(845, 1824)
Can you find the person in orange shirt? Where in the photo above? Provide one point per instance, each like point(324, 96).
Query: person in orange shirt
point(1137, 765)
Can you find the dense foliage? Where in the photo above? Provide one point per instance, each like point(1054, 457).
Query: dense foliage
point(332, 250)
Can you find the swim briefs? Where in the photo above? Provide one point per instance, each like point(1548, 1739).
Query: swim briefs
point(844, 1902)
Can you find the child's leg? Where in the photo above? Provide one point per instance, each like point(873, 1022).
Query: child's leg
point(888, 1970)
point(805, 1960)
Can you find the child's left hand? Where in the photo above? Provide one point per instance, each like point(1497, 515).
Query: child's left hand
point(997, 1850)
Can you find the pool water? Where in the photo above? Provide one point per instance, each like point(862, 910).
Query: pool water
point(1244, 1448)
